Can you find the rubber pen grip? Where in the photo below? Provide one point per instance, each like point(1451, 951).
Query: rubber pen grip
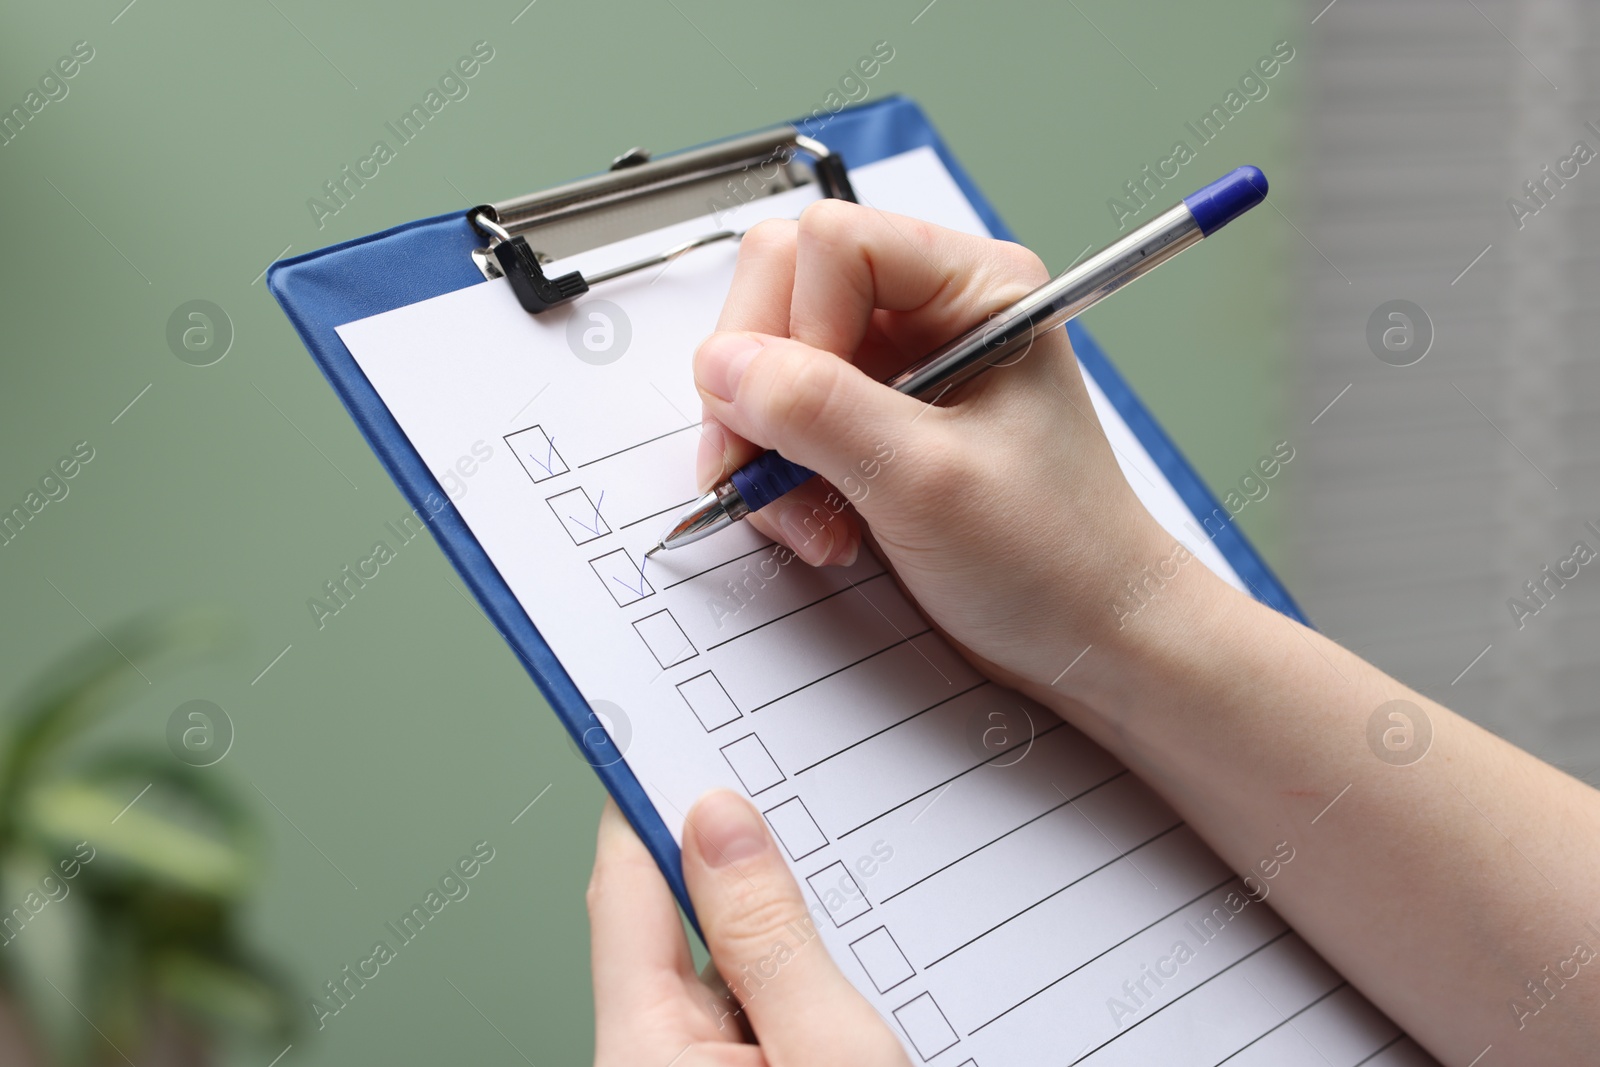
point(766, 478)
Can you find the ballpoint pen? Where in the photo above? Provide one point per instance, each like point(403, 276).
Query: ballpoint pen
point(1199, 215)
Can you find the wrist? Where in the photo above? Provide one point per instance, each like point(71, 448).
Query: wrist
point(1172, 626)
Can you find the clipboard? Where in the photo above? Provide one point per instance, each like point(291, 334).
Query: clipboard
point(367, 276)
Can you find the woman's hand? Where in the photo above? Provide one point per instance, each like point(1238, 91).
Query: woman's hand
point(1002, 510)
point(1446, 885)
point(791, 1006)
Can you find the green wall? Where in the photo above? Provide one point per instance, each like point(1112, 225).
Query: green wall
point(179, 165)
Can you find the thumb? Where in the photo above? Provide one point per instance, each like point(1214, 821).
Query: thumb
point(763, 941)
point(811, 406)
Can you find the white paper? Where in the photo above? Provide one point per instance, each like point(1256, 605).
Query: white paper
point(1015, 911)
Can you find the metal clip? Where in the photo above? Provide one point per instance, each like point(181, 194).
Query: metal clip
point(580, 215)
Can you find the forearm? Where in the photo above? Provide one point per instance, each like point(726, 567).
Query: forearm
point(1254, 729)
point(1440, 885)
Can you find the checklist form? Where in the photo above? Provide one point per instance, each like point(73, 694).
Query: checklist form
point(1001, 889)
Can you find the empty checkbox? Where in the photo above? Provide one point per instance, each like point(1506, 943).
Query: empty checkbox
point(926, 1026)
point(794, 826)
point(839, 893)
point(710, 702)
point(665, 639)
point(753, 764)
point(536, 451)
point(579, 515)
point(623, 578)
point(880, 956)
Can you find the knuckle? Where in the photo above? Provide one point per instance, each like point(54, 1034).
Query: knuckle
point(606, 881)
point(756, 917)
point(799, 391)
point(1020, 265)
point(1026, 263)
point(769, 237)
point(830, 222)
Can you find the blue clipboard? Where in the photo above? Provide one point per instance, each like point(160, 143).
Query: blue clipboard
point(367, 276)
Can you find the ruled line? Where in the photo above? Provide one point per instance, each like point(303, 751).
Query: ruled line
point(724, 563)
point(847, 666)
point(658, 514)
point(947, 781)
point(1180, 996)
point(1156, 922)
point(1020, 826)
point(1287, 1020)
point(637, 444)
point(1395, 1040)
point(796, 611)
point(893, 725)
point(1057, 892)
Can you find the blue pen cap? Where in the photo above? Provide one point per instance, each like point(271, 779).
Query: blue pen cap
point(1227, 198)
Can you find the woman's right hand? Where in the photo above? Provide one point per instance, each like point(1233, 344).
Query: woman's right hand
point(1005, 515)
point(1002, 510)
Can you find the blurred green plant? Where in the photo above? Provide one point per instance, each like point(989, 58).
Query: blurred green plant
point(135, 956)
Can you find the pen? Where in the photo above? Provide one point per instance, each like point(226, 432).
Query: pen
point(1199, 215)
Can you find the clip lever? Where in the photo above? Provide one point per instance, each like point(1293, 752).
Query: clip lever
point(535, 292)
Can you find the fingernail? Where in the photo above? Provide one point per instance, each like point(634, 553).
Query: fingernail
point(721, 361)
point(852, 552)
point(729, 829)
point(708, 462)
point(809, 536)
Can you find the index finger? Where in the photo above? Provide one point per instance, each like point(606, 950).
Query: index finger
point(875, 288)
point(853, 262)
point(639, 954)
point(763, 278)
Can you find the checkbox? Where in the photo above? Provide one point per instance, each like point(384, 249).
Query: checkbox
point(710, 702)
point(926, 1026)
point(793, 825)
point(753, 764)
point(880, 956)
point(579, 515)
point(623, 578)
point(839, 893)
point(665, 639)
point(536, 451)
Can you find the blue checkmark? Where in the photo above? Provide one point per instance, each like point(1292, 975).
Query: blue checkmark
point(636, 592)
point(598, 522)
point(548, 463)
point(640, 572)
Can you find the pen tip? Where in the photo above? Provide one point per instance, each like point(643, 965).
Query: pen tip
point(659, 547)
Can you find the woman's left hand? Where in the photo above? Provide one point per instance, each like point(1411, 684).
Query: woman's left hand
point(791, 1006)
